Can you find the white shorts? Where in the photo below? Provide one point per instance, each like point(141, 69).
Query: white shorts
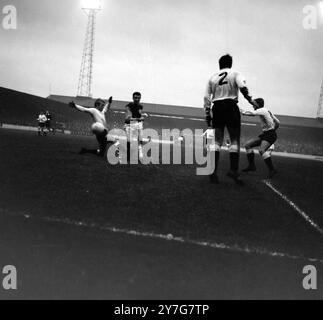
point(97, 128)
point(134, 130)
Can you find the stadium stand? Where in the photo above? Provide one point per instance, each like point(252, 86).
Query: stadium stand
point(296, 135)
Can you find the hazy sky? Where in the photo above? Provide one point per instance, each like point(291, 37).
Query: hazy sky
point(167, 49)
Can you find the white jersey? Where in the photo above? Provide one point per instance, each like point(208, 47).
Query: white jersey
point(267, 119)
point(98, 116)
point(224, 85)
point(42, 118)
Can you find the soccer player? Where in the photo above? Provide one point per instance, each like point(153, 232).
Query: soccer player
point(99, 127)
point(266, 140)
point(134, 121)
point(41, 123)
point(221, 109)
point(48, 122)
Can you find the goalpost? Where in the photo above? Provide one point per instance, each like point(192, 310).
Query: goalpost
point(320, 106)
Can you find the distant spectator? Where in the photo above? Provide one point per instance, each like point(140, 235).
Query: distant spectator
point(41, 123)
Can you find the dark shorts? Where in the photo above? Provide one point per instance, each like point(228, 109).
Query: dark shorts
point(41, 124)
point(269, 136)
point(47, 124)
point(226, 113)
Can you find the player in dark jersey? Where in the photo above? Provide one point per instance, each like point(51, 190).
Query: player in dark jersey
point(134, 122)
point(49, 121)
point(134, 109)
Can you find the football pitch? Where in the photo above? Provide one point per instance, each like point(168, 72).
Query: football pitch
point(78, 227)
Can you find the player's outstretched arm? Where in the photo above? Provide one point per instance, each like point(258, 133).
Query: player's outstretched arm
point(107, 106)
point(80, 108)
point(242, 85)
point(248, 113)
point(247, 96)
point(208, 103)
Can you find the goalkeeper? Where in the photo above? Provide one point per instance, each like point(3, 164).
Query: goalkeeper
point(99, 127)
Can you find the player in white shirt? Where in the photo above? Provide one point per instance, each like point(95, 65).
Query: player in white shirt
point(99, 127)
point(41, 123)
point(221, 108)
point(266, 140)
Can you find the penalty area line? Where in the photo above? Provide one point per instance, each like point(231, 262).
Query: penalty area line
point(167, 237)
point(302, 213)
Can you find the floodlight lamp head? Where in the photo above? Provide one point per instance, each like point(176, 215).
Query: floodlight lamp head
point(321, 8)
point(91, 4)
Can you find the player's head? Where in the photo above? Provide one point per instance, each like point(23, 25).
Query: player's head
point(99, 104)
point(47, 112)
point(225, 62)
point(136, 97)
point(260, 102)
point(42, 112)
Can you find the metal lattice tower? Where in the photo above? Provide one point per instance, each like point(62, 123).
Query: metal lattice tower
point(86, 73)
point(320, 107)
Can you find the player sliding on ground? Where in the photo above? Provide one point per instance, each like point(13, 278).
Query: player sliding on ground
point(99, 127)
point(266, 140)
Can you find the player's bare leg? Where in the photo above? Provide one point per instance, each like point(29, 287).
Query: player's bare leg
point(266, 155)
point(250, 145)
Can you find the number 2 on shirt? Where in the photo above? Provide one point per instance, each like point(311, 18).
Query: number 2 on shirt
point(222, 76)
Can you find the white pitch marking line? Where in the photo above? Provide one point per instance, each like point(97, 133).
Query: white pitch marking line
point(154, 115)
point(112, 138)
point(295, 207)
point(169, 237)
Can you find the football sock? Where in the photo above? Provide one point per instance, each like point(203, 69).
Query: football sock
point(269, 163)
point(215, 159)
point(234, 161)
point(128, 151)
point(251, 159)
